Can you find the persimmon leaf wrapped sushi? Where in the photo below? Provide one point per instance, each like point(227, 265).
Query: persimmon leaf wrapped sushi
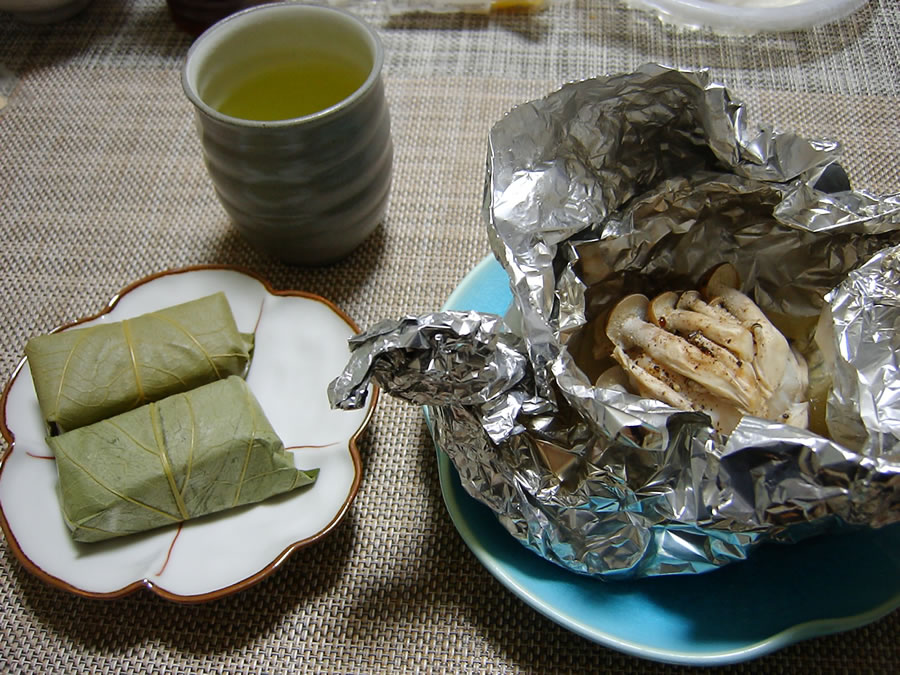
point(87, 374)
point(185, 456)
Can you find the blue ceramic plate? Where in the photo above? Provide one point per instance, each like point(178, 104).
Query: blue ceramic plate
point(783, 594)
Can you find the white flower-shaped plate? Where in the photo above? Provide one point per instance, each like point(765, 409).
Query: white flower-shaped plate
point(301, 345)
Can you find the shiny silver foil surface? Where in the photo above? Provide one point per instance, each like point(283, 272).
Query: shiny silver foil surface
point(638, 183)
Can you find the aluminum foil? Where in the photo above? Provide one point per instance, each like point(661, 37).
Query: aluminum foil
point(641, 182)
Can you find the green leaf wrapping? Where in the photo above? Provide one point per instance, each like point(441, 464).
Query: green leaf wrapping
point(87, 374)
point(188, 455)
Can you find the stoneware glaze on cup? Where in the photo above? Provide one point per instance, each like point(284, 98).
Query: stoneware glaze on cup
point(310, 189)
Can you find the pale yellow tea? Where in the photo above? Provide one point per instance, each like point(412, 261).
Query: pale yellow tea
point(288, 89)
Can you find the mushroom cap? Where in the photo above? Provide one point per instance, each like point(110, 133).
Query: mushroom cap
point(661, 307)
point(629, 309)
point(724, 275)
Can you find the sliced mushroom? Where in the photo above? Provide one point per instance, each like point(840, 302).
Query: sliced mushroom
point(628, 327)
point(718, 354)
point(771, 348)
point(667, 311)
point(694, 301)
point(682, 392)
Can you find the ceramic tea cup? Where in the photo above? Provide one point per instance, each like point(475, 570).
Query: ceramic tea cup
point(294, 127)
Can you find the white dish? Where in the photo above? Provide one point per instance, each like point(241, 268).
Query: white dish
point(301, 345)
point(750, 16)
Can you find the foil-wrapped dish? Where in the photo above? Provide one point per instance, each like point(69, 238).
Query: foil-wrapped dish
point(700, 354)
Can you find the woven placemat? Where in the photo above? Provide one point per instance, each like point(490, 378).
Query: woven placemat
point(101, 183)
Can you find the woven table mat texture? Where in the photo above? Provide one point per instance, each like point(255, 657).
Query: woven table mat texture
point(102, 183)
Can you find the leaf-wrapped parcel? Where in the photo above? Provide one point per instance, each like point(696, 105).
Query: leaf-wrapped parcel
point(185, 456)
point(87, 374)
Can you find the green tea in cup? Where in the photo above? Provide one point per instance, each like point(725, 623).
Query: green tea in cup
point(293, 86)
point(294, 127)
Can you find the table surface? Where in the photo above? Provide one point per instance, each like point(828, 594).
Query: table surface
point(102, 183)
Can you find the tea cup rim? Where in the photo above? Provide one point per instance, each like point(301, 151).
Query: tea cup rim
point(199, 43)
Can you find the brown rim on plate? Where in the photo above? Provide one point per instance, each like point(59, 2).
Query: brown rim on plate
point(9, 437)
